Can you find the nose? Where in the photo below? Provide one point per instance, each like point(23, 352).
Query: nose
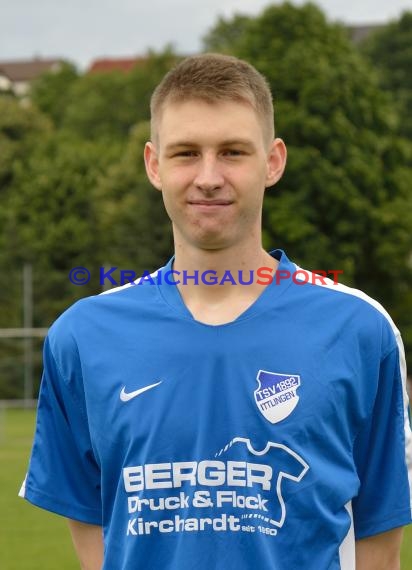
point(209, 175)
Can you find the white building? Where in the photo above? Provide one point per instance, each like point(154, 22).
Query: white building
point(17, 76)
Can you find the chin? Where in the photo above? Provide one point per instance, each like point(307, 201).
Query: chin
point(207, 239)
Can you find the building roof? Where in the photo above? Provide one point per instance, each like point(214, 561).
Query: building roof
point(115, 64)
point(27, 70)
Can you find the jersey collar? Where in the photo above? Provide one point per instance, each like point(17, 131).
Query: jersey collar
point(281, 281)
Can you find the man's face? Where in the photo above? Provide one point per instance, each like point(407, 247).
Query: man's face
point(212, 165)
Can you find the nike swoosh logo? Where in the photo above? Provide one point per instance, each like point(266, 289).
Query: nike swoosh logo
point(126, 396)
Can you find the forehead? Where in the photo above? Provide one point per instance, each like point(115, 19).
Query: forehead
point(197, 120)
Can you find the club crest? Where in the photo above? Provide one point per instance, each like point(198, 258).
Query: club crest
point(276, 395)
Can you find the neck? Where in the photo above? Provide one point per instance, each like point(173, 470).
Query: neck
point(221, 260)
point(230, 261)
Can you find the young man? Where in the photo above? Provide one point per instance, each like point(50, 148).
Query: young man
point(224, 426)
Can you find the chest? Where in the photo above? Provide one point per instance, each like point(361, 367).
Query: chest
point(182, 396)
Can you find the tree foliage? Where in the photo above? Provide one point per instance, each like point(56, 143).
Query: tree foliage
point(102, 105)
point(52, 219)
point(390, 51)
point(225, 35)
point(21, 127)
point(50, 93)
point(135, 228)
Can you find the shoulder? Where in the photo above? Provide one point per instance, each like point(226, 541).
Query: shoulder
point(353, 309)
point(107, 311)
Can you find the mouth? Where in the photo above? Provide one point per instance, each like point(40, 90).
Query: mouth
point(210, 203)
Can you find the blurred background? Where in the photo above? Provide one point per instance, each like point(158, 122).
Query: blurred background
point(75, 84)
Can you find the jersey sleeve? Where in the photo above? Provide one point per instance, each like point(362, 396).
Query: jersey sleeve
point(63, 474)
point(383, 453)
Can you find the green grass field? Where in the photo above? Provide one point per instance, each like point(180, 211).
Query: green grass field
point(31, 539)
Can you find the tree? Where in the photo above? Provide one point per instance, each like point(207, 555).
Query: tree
point(345, 201)
point(22, 129)
point(225, 35)
point(53, 219)
point(96, 108)
point(51, 92)
point(108, 105)
point(135, 229)
point(390, 51)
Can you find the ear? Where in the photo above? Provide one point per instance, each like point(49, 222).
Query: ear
point(151, 161)
point(276, 162)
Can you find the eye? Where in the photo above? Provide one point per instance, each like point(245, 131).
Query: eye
point(185, 154)
point(233, 152)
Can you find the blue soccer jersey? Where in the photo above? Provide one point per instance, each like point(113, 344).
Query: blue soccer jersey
point(270, 442)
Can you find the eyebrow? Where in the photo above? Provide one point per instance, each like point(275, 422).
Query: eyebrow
point(230, 142)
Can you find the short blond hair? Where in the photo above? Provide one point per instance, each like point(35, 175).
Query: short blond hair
point(213, 77)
